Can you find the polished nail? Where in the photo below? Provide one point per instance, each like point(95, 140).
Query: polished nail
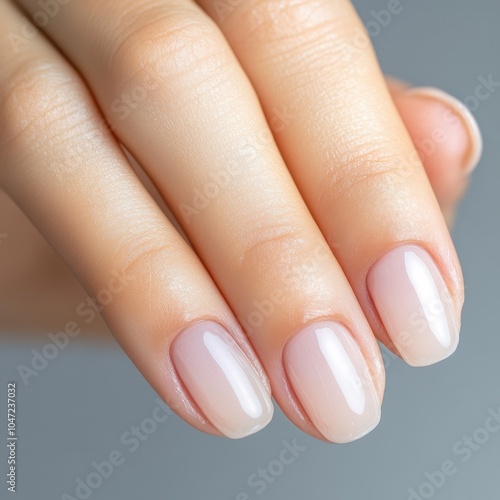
point(414, 303)
point(221, 380)
point(331, 379)
point(465, 118)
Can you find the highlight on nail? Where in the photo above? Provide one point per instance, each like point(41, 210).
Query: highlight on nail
point(331, 378)
point(415, 305)
point(221, 380)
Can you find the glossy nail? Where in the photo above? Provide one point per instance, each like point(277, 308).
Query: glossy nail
point(331, 379)
point(414, 303)
point(221, 380)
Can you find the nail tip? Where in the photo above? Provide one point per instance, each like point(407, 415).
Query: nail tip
point(358, 435)
point(255, 429)
point(423, 363)
point(477, 144)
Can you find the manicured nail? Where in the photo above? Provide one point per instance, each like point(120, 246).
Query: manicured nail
point(221, 380)
point(331, 379)
point(458, 108)
point(415, 305)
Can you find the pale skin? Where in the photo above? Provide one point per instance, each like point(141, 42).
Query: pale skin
point(321, 166)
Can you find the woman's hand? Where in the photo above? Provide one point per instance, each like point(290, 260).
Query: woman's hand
point(272, 137)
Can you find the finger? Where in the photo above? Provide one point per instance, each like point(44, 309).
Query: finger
point(354, 163)
point(443, 159)
point(446, 136)
point(199, 132)
point(63, 167)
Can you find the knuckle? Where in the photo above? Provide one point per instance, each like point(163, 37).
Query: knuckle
point(141, 260)
point(264, 243)
point(310, 39)
point(178, 48)
point(289, 24)
point(37, 104)
point(364, 169)
point(140, 254)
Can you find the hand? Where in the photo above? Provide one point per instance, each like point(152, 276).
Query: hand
point(294, 275)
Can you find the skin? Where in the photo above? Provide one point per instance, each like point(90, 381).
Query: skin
point(309, 156)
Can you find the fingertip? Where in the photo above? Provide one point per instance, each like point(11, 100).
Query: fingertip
point(446, 137)
point(470, 148)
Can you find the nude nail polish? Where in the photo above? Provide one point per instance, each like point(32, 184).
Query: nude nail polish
point(331, 379)
point(414, 304)
point(221, 380)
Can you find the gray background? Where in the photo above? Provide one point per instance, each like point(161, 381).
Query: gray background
point(75, 411)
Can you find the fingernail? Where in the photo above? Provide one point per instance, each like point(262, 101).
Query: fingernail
point(221, 380)
point(414, 303)
point(331, 379)
point(458, 108)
